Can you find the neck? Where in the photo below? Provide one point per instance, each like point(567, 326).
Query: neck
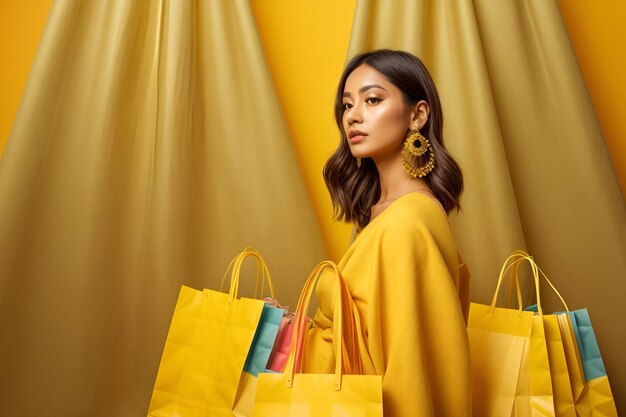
point(394, 180)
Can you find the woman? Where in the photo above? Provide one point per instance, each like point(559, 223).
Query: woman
point(393, 179)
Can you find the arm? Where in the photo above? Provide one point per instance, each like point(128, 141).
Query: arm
point(422, 335)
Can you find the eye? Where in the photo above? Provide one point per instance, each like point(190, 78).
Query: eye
point(373, 100)
point(346, 106)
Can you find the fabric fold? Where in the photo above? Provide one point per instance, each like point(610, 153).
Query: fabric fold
point(148, 147)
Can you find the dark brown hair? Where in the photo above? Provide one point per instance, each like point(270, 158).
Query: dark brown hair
point(353, 190)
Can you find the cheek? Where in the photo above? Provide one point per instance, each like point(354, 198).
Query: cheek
point(392, 120)
point(344, 124)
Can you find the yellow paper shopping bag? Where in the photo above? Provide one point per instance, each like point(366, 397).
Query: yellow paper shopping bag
point(579, 380)
point(551, 380)
point(544, 388)
point(294, 394)
point(511, 371)
point(572, 355)
point(534, 395)
point(206, 348)
point(497, 338)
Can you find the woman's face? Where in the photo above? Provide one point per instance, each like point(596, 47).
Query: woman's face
point(374, 107)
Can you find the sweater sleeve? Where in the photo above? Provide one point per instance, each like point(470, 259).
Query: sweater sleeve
point(417, 335)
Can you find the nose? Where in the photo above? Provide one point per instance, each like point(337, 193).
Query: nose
point(353, 115)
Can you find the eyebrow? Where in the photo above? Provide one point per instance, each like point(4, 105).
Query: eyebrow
point(364, 88)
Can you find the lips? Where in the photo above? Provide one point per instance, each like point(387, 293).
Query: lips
point(356, 136)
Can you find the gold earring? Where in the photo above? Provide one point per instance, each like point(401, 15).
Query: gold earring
point(415, 146)
point(358, 162)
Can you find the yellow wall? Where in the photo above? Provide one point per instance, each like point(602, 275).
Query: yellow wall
point(21, 25)
point(305, 44)
point(598, 33)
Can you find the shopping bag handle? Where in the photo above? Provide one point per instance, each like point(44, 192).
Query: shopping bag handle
point(262, 271)
point(536, 272)
point(512, 264)
point(345, 314)
point(510, 261)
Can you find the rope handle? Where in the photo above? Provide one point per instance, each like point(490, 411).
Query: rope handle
point(262, 272)
point(511, 266)
point(343, 348)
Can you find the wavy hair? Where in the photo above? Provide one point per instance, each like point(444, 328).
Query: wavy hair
point(353, 190)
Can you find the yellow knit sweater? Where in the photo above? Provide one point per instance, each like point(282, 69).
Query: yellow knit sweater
point(405, 276)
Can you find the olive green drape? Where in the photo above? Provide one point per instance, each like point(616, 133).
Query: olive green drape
point(520, 121)
point(147, 150)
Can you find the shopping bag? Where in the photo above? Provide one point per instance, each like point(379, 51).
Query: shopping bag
point(206, 348)
point(499, 341)
point(257, 360)
point(535, 394)
point(563, 387)
point(581, 385)
point(282, 347)
point(572, 356)
point(294, 394)
point(593, 366)
point(510, 363)
point(547, 391)
point(264, 339)
point(559, 371)
point(596, 398)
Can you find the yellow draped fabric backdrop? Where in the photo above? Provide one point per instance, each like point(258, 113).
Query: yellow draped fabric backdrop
point(149, 147)
point(597, 32)
point(306, 66)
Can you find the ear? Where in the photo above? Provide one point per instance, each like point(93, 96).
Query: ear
point(419, 115)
